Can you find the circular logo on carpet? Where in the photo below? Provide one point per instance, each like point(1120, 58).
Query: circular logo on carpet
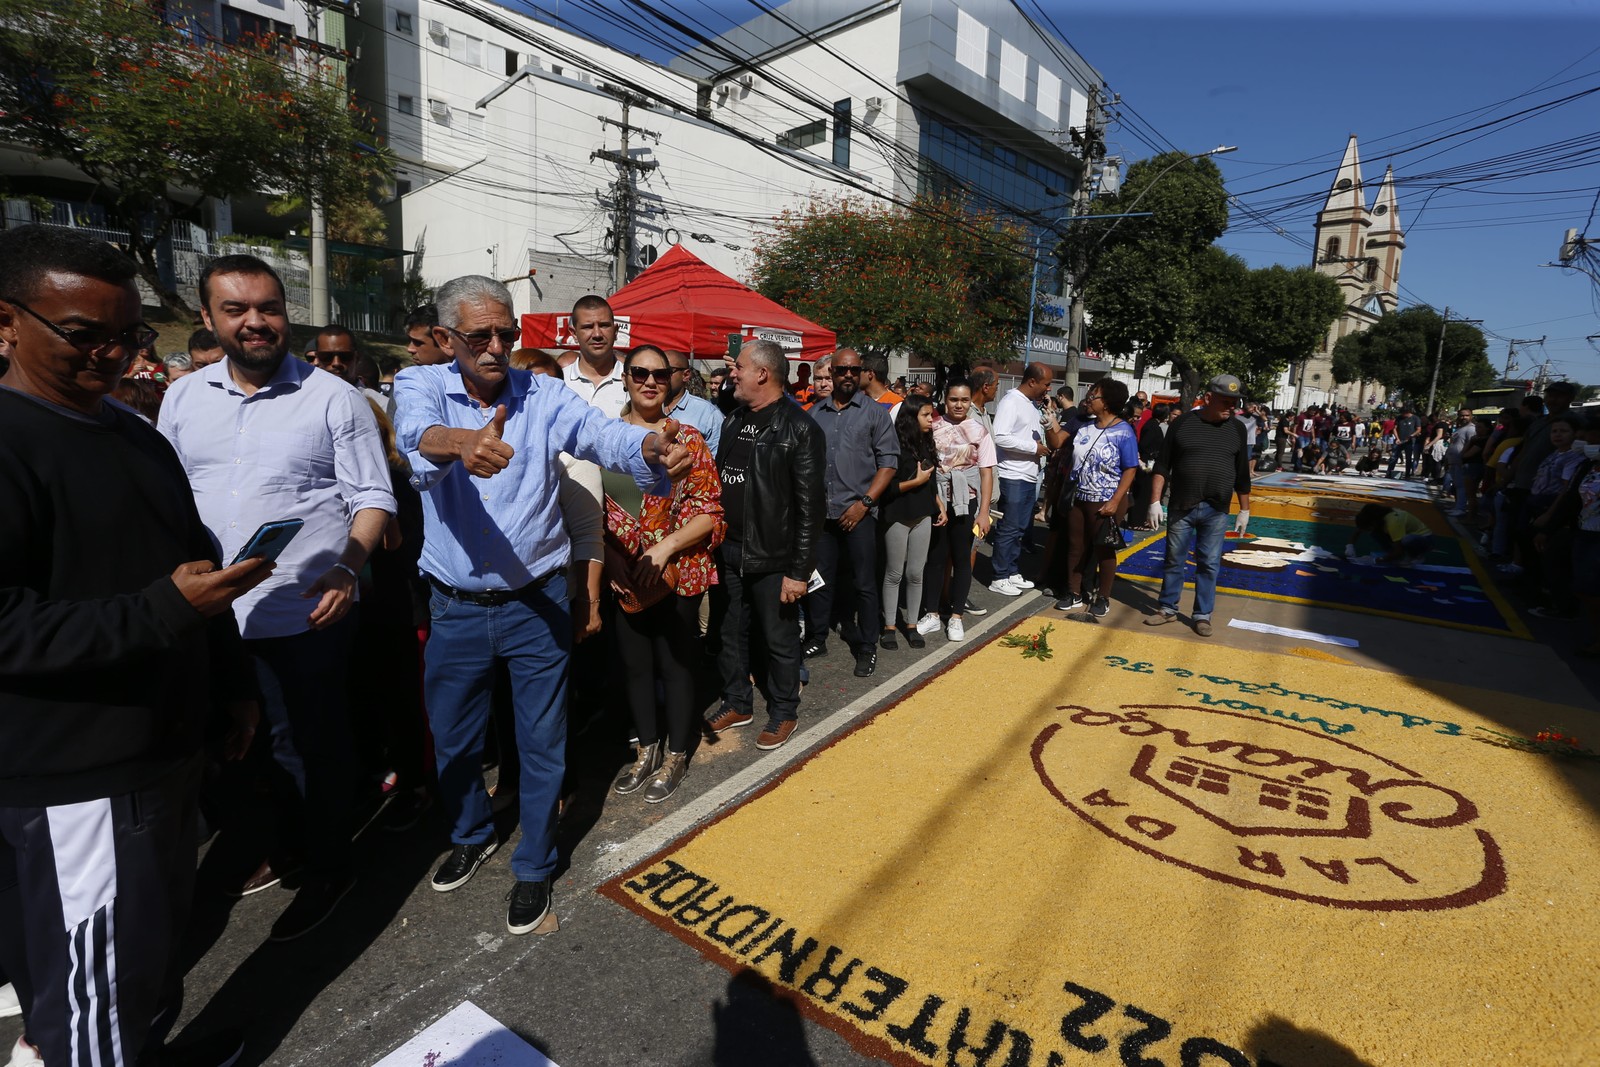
point(1269, 806)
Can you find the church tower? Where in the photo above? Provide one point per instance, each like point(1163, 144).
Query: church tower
point(1360, 248)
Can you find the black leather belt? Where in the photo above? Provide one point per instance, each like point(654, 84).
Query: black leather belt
point(489, 598)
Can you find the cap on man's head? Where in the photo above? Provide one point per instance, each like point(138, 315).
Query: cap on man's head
point(1225, 385)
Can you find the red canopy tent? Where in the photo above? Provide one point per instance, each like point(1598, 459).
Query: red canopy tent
point(685, 304)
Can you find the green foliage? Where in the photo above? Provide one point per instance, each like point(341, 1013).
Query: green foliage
point(1159, 289)
point(939, 280)
point(141, 109)
point(1400, 349)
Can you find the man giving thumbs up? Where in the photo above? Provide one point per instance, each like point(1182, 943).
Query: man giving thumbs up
point(483, 441)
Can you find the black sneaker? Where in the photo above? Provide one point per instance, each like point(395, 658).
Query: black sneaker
point(886, 641)
point(462, 863)
point(866, 662)
point(530, 903)
point(815, 648)
point(973, 609)
point(311, 907)
point(914, 639)
point(1100, 607)
point(1070, 602)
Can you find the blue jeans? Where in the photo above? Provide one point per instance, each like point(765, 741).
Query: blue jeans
point(532, 635)
point(1017, 499)
point(1411, 451)
point(1204, 527)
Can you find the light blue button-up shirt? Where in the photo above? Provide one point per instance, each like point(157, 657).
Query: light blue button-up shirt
point(703, 415)
point(303, 446)
point(504, 531)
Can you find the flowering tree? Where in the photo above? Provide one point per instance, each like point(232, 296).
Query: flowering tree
point(160, 119)
point(937, 280)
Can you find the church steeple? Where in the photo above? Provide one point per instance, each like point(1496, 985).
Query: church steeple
point(1385, 243)
point(1343, 220)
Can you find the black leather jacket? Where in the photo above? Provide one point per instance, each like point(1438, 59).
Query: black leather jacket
point(785, 503)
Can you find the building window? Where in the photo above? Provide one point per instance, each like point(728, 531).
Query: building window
point(402, 186)
point(957, 159)
point(406, 105)
point(1049, 101)
point(841, 134)
point(1372, 270)
point(244, 28)
point(972, 44)
point(811, 133)
point(513, 62)
point(468, 50)
point(1013, 70)
point(402, 22)
point(1332, 251)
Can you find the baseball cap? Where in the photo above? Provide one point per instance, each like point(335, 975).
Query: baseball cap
point(1226, 384)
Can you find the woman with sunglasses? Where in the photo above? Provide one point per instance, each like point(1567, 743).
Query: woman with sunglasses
point(658, 643)
point(1105, 458)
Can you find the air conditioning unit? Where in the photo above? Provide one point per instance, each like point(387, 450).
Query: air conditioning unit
point(722, 91)
point(440, 112)
point(874, 103)
point(747, 81)
point(438, 33)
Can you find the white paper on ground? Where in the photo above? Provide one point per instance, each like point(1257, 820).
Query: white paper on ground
point(1286, 631)
point(466, 1037)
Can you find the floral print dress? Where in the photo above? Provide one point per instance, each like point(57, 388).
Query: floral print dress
point(699, 493)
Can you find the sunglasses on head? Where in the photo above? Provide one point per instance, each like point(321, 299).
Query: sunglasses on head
point(640, 375)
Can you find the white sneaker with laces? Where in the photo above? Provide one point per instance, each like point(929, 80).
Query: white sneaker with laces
point(1020, 582)
point(9, 1005)
point(1005, 587)
point(928, 623)
point(954, 630)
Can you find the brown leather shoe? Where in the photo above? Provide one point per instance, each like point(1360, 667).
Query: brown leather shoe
point(1202, 627)
point(727, 718)
point(264, 878)
point(775, 736)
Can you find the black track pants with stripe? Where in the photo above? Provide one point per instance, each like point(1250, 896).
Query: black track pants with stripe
point(93, 899)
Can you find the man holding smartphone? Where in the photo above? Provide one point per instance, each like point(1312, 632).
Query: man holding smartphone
point(263, 438)
point(111, 665)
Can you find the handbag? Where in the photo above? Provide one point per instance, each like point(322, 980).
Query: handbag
point(1110, 534)
point(618, 570)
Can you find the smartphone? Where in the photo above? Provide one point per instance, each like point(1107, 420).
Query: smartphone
point(270, 540)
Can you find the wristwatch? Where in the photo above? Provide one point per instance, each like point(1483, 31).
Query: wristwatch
point(868, 503)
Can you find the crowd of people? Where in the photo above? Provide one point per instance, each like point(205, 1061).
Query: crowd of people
point(499, 529)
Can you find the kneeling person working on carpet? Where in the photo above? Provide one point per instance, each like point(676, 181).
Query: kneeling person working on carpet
point(1402, 536)
point(1206, 457)
point(483, 440)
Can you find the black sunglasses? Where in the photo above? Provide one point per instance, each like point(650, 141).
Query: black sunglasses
point(329, 357)
point(93, 341)
point(479, 340)
point(838, 370)
point(640, 375)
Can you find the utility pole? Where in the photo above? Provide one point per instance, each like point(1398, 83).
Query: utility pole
point(1438, 359)
point(622, 194)
point(1511, 353)
point(1093, 151)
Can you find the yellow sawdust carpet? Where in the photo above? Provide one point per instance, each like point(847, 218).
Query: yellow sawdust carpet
point(1155, 850)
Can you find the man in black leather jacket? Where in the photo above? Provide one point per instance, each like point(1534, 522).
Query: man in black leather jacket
point(771, 463)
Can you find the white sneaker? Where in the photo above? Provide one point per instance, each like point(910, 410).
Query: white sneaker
point(954, 630)
point(9, 1005)
point(1005, 587)
point(928, 623)
point(25, 1055)
point(1020, 582)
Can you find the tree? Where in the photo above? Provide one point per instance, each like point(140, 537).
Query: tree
point(1159, 289)
point(938, 280)
point(160, 122)
point(1400, 349)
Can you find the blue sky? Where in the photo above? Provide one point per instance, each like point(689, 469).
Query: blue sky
point(1287, 83)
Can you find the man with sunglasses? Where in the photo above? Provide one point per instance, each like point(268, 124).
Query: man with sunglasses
point(596, 375)
point(334, 350)
point(112, 665)
point(483, 441)
point(264, 438)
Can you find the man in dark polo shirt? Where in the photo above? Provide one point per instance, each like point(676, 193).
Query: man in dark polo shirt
point(863, 454)
point(1207, 460)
